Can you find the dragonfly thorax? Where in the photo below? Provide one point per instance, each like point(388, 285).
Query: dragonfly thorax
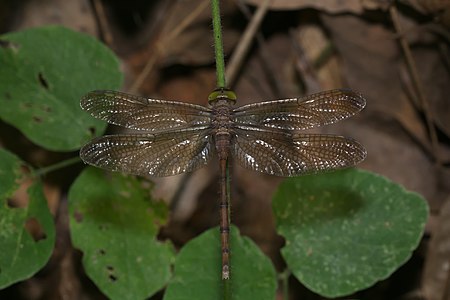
point(221, 115)
point(221, 123)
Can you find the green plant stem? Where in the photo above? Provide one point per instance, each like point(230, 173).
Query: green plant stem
point(218, 44)
point(57, 166)
point(221, 83)
point(284, 278)
point(226, 289)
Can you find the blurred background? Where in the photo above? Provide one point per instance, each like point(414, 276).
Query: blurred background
point(395, 53)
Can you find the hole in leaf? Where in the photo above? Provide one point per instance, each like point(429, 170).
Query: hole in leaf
point(7, 95)
point(102, 252)
point(92, 130)
point(112, 277)
point(8, 44)
point(78, 216)
point(10, 203)
point(35, 229)
point(20, 197)
point(37, 119)
point(42, 81)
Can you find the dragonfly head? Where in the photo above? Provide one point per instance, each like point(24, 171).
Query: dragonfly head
point(222, 94)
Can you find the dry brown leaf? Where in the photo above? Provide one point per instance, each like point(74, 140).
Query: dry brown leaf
point(390, 152)
point(73, 14)
point(436, 79)
point(183, 37)
point(193, 45)
point(314, 43)
point(257, 75)
point(437, 265)
point(428, 6)
point(372, 64)
point(335, 6)
point(252, 210)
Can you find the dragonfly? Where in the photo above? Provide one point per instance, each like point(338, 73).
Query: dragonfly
point(172, 137)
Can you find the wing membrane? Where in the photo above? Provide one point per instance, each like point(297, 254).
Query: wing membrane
point(161, 154)
point(291, 154)
point(141, 113)
point(301, 113)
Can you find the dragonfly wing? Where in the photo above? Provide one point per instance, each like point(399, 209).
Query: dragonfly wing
point(292, 154)
point(160, 154)
point(141, 113)
point(302, 113)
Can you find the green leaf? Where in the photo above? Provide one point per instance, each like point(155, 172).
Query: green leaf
point(348, 229)
point(198, 270)
point(27, 235)
point(115, 224)
point(44, 72)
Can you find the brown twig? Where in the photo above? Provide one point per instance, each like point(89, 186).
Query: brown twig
point(304, 66)
point(417, 84)
point(245, 42)
point(161, 45)
point(274, 84)
point(99, 11)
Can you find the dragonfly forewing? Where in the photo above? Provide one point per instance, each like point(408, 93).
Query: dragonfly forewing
point(141, 113)
point(160, 154)
point(289, 154)
point(301, 113)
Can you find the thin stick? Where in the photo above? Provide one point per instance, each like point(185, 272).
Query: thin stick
point(246, 41)
point(62, 164)
point(417, 84)
point(160, 46)
point(218, 44)
point(266, 65)
point(284, 278)
point(103, 22)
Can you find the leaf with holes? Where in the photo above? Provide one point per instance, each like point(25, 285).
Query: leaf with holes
point(115, 224)
point(198, 270)
point(347, 230)
point(44, 72)
point(27, 234)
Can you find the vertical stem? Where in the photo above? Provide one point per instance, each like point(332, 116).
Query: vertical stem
point(218, 44)
point(284, 278)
